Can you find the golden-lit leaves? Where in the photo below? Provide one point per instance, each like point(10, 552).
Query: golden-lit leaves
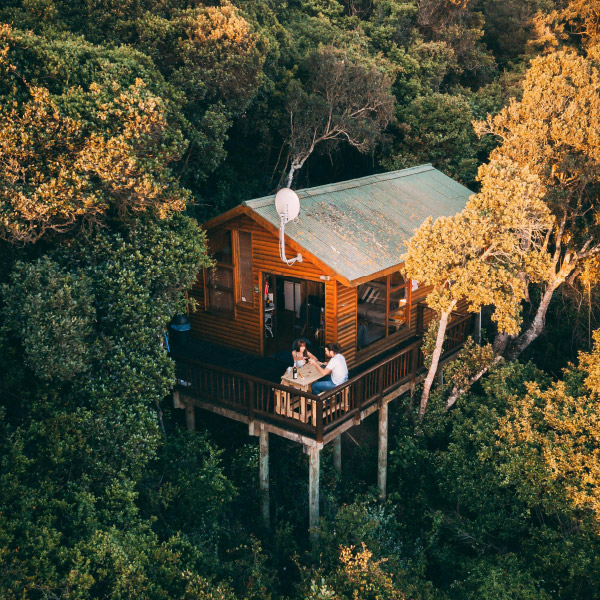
point(555, 433)
point(221, 55)
point(484, 253)
point(555, 129)
point(78, 158)
point(223, 26)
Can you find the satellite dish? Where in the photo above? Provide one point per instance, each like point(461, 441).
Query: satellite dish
point(287, 204)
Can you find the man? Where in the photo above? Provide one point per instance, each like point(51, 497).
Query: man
point(335, 371)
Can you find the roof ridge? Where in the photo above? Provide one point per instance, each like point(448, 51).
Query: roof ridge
point(342, 185)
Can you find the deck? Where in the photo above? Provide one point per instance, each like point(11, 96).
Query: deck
point(310, 419)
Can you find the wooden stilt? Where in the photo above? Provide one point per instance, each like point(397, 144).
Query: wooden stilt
point(337, 454)
point(263, 473)
point(313, 491)
point(383, 448)
point(190, 416)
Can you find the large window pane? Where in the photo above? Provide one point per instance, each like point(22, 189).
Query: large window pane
point(220, 289)
point(220, 299)
point(371, 311)
point(220, 247)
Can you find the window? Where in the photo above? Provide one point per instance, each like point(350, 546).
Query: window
point(372, 311)
point(397, 303)
point(220, 278)
point(383, 308)
point(220, 289)
point(244, 292)
point(219, 246)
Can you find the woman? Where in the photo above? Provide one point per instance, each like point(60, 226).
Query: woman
point(300, 354)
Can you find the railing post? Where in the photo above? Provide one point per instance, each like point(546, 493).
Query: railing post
point(320, 420)
point(419, 319)
point(359, 395)
point(251, 401)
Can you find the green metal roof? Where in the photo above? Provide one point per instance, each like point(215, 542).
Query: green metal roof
point(360, 227)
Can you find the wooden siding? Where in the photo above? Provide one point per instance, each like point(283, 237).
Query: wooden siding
point(242, 329)
point(346, 321)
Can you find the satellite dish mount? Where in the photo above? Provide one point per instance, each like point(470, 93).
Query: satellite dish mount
point(287, 205)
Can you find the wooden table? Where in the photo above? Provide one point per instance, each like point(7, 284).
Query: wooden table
point(297, 407)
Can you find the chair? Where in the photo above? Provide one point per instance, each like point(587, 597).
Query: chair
point(269, 322)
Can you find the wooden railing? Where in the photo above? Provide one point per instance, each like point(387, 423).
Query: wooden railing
point(302, 412)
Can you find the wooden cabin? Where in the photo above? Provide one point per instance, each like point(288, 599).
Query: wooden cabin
point(349, 287)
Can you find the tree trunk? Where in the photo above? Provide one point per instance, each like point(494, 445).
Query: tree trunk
point(537, 325)
point(291, 176)
point(435, 359)
point(458, 392)
point(297, 164)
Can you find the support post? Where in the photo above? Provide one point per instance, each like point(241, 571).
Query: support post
point(177, 403)
point(263, 474)
point(190, 416)
point(477, 332)
point(337, 454)
point(313, 492)
point(382, 454)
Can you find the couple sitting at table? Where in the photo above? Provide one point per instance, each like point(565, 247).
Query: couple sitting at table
point(335, 372)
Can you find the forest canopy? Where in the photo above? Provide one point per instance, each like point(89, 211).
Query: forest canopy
point(125, 124)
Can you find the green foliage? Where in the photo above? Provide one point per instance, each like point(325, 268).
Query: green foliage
point(187, 473)
point(53, 312)
point(436, 128)
point(77, 157)
point(507, 487)
point(114, 118)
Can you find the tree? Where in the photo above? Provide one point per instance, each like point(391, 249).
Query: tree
point(555, 431)
point(551, 134)
point(96, 258)
point(435, 128)
point(341, 101)
point(553, 130)
point(456, 24)
point(78, 158)
point(213, 57)
point(513, 507)
point(483, 253)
